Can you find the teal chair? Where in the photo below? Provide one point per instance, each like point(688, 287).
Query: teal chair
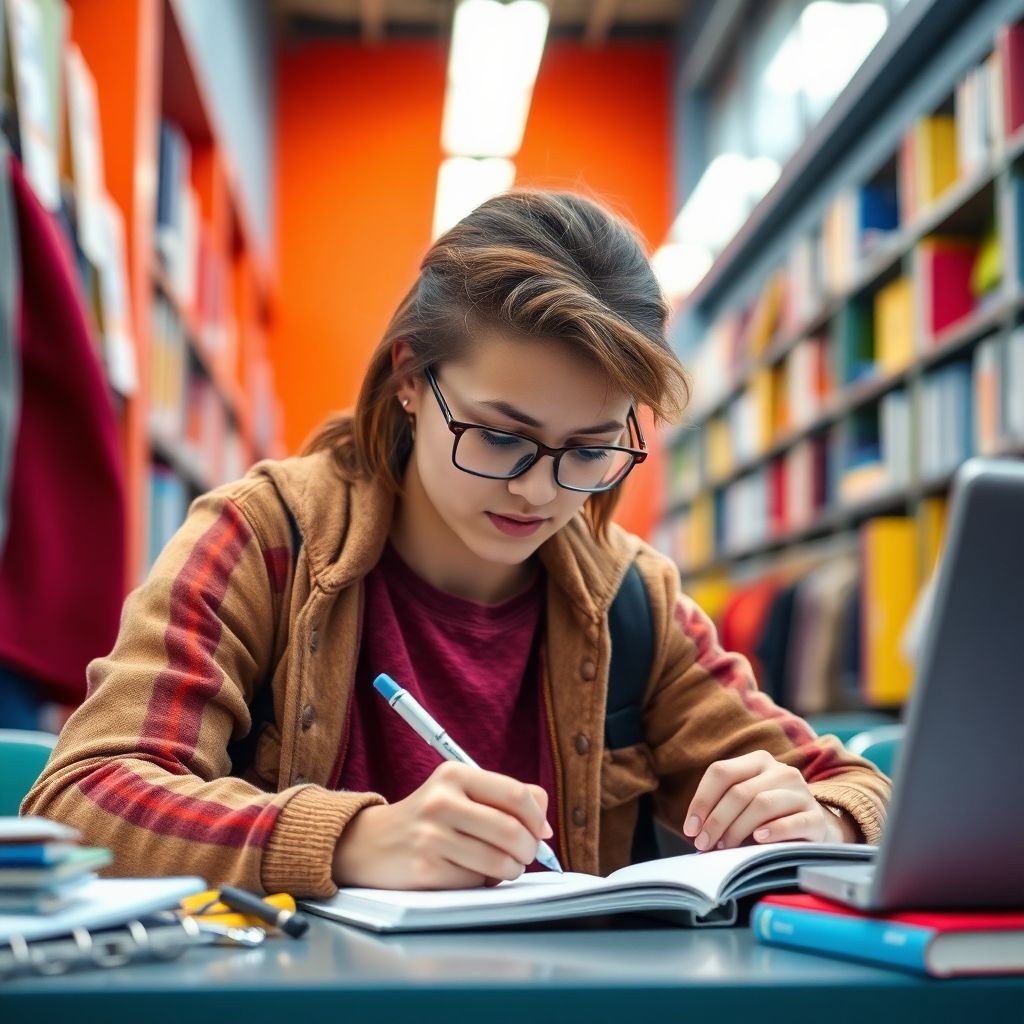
point(880, 746)
point(844, 725)
point(23, 756)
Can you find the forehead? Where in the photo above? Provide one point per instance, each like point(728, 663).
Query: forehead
point(545, 378)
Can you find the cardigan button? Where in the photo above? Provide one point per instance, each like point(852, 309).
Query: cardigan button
point(308, 716)
point(588, 669)
point(579, 816)
point(299, 780)
point(314, 640)
point(582, 744)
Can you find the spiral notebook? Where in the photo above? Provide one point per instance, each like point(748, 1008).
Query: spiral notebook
point(101, 903)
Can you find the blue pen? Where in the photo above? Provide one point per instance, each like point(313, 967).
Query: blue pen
point(427, 729)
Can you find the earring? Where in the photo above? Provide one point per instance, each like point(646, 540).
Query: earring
point(412, 418)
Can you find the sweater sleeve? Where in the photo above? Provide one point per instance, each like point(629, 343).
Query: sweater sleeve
point(704, 706)
point(142, 766)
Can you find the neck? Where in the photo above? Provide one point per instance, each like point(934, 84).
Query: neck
point(435, 553)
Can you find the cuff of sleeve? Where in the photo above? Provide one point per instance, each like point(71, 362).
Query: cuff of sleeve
point(300, 854)
point(865, 811)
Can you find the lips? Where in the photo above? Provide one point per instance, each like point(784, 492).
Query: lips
point(516, 526)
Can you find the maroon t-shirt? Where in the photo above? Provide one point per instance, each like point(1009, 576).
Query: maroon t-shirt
point(475, 667)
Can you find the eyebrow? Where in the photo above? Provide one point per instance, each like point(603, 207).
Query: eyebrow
point(528, 421)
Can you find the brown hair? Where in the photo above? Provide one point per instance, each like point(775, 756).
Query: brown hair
point(533, 263)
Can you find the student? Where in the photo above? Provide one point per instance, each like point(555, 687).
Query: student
point(455, 533)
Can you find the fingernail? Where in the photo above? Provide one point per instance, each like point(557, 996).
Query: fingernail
point(720, 845)
point(692, 826)
point(548, 830)
point(761, 833)
point(702, 841)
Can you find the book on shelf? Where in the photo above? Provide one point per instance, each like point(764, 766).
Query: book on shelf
point(854, 343)
point(946, 424)
point(988, 403)
point(978, 110)
point(1013, 388)
point(807, 381)
point(895, 338)
point(1010, 50)
point(700, 888)
point(928, 164)
point(942, 945)
point(946, 266)
point(889, 578)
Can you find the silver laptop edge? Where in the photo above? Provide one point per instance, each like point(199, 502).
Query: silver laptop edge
point(954, 835)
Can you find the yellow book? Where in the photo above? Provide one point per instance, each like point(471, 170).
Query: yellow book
point(764, 321)
point(700, 544)
point(935, 156)
point(931, 518)
point(720, 457)
point(762, 389)
point(894, 325)
point(890, 583)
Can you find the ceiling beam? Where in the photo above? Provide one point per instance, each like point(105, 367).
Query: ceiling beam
point(371, 18)
point(599, 21)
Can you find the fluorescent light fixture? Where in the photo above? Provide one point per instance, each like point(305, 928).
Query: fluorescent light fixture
point(825, 48)
point(463, 183)
point(495, 54)
point(728, 190)
point(679, 266)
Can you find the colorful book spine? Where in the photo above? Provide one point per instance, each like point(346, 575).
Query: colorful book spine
point(854, 938)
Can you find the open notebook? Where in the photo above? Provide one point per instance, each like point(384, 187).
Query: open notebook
point(701, 887)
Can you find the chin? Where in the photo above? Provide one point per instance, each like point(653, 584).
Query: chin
point(504, 551)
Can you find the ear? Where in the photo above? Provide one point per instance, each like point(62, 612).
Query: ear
point(402, 355)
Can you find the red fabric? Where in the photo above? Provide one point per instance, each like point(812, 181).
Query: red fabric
point(942, 921)
point(474, 667)
point(62, 569)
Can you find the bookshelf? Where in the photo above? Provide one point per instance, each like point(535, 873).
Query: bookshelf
point(199, 281)
point(850, 362)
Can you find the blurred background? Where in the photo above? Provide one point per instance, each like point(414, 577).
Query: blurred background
point(211, 208)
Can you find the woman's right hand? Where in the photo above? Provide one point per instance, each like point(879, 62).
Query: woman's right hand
point(463, 827)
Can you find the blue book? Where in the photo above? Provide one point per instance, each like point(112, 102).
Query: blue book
point(937, 944)
point(34, 855)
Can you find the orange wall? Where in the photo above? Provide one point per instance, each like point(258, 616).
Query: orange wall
point(359, 149)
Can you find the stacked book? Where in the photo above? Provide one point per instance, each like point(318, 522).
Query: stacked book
point(42, 865)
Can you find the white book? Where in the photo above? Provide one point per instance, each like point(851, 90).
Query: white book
point(697, 885)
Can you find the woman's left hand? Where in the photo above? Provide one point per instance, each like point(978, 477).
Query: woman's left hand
point(756, 796)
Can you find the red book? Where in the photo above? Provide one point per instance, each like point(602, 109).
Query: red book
point(941, 944)
point(946, 266)
point(1011, 56)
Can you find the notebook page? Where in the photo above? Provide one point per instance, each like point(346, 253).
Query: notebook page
point(532, 887)
point(708, 873)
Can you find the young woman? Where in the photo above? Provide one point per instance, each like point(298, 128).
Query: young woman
point(455, 533)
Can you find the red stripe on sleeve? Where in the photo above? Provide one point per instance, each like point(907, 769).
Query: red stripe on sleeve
point(120, 791)
point(192, 676)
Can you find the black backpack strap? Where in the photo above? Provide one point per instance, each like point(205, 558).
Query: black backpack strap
point(632, 638)
point(243, 750)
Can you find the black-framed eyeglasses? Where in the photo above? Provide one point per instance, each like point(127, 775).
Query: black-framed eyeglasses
point(504, 454)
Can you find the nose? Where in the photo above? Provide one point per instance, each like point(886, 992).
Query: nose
point(537, 485)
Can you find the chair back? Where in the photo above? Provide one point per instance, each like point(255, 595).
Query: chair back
point(880, 746)
point(23, 756)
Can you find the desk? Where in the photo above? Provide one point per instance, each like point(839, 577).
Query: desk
point(625, 976)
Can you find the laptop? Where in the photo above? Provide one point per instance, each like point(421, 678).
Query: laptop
point(954, 836)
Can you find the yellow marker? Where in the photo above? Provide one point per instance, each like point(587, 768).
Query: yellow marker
point(207, 907)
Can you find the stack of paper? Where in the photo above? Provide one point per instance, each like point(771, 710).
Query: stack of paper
point(42, 865)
